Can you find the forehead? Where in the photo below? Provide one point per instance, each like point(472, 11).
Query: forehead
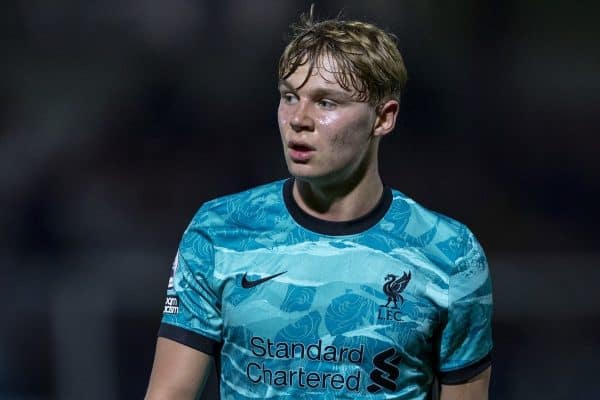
point(323, 73)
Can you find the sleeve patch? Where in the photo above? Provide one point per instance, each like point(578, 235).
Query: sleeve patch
point(171, 305)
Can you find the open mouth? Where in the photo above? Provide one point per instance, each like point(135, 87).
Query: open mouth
point(301, 147)
point(300, 152)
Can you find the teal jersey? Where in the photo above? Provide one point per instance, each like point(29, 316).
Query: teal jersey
point(296, 307)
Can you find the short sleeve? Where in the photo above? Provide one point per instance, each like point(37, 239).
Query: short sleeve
point(466, 339)
point(192, 312)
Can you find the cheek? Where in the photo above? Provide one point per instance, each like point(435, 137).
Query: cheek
point(338, 142)
point(346, 134)
point(282, 117)
point(336, 129)
point(329, 120)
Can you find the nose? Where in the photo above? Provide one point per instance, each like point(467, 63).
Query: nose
point(301, 118)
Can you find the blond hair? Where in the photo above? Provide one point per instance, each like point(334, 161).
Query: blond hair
point(367, 58)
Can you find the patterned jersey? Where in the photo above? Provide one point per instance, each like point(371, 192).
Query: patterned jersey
point(296, 307)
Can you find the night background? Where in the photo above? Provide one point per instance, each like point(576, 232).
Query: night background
point(118, 119)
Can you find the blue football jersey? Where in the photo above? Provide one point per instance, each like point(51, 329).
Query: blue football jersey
point(296, 307)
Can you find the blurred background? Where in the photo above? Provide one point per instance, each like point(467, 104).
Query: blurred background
point(119, 118)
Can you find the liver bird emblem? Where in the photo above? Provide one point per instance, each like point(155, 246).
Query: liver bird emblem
point(393, 286)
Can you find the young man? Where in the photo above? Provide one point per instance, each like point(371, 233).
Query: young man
point(328, 284)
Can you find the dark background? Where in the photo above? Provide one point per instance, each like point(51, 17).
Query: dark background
point(119, 118)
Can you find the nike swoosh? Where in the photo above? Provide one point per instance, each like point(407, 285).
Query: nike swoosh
point(246, 284)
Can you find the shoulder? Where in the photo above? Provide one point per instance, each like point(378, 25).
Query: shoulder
point(237, 209)
point(437, 234)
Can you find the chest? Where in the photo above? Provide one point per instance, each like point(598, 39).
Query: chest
point(330, 292)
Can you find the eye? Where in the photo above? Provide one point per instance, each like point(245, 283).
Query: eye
point(289, 98)
point(327, 104)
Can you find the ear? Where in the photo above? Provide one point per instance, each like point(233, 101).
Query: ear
point(385, 120)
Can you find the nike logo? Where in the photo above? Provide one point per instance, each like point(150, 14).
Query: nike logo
point(246, 284)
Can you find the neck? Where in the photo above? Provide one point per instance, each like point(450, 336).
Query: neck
point(342, 201)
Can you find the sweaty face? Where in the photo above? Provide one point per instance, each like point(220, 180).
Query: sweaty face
point(326, 133)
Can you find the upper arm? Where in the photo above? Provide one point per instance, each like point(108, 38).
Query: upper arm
point(466, 333)
point(179, 371)
point(190, 331)
point(474, 389)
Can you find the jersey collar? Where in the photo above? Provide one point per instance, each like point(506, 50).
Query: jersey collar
point(336, 228)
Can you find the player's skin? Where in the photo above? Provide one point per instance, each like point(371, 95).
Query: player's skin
point(475, 389)
point(179, 372)
point(330, 142)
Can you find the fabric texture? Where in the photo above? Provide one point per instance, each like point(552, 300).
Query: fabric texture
point(296, 311)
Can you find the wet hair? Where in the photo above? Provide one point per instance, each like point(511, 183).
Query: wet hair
point(367, 58)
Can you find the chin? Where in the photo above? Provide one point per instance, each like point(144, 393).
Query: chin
point(309, 173)
point(301, 175)
point(301, 171)
point(312, 177)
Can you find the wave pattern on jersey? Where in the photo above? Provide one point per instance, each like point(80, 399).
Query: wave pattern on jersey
point(313, 314)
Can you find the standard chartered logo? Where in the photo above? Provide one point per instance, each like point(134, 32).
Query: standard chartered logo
point(386, 371)
point(275, 368)
point(268, 373)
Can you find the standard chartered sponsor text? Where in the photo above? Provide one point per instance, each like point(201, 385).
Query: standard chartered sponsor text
point(273, 373)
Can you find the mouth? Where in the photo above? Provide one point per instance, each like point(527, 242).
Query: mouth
point(300, 152)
